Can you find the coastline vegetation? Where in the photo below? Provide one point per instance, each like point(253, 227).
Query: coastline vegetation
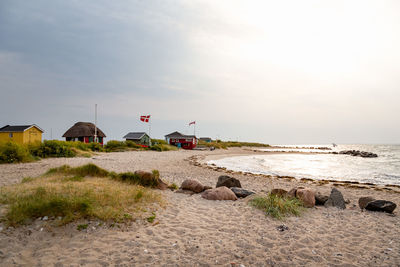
point(11, 152)
point(226, 144)
point(278, 207)
point(87, 191)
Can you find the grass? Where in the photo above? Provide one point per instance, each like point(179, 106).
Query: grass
point(173, 186)
point(226, 144)
point(75, 197)
point(151, 218)
point(278, 207)
point(11, 152)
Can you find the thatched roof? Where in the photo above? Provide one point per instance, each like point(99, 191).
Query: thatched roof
point(81, 129)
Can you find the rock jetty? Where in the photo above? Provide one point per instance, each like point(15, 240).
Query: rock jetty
point(358, 153)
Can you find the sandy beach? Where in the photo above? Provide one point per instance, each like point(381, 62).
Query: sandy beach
point(191, 231)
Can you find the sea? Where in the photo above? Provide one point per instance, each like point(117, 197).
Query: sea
point(316, 164)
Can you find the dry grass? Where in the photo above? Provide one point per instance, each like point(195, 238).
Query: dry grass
point(75, 196)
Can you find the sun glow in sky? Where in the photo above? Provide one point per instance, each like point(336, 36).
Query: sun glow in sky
point(269, 71)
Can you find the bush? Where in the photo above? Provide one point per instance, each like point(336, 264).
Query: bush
point(162, 147)
point(114, 145)
point(132, 144)
point(278, 207)
point(11, 152)
point(52, 148)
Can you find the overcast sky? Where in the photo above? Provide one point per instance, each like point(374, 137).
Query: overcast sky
point(268, 71)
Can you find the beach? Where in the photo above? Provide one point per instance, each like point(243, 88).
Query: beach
point(192, 231)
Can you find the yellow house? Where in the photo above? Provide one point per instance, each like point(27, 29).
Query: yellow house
point(21, 133)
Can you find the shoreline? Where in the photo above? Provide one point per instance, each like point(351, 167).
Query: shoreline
point(192, 231)
point(203, 163)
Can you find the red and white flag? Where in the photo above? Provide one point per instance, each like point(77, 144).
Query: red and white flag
point(145, 118)
point(193, 122)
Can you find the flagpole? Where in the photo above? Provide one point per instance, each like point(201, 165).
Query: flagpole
point(150, 130)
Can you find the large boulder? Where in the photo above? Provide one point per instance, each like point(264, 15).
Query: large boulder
point(335, 199)
point(307, 196)
point(363, 201)
point(279, 192)
point(228, 181)
point(381, 205)
point(320, 199)
point(219, 193)
point(192, 185)
point(240, 192)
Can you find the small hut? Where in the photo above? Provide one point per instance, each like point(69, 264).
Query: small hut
point(181, 140)
point(84, 132)
point(140, 138)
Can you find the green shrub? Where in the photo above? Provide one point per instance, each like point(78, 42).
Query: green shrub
point(132, 144)
point(163, 147)
point(52, 148)
point(11, 152)
point(95, 147)
point(114, 145)
point(159, 141)
point(276, 206)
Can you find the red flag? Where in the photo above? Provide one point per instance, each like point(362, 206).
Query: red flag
point(145, 118)
point(193, 122)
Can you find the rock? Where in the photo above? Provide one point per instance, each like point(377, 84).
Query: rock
point(320, 199)
point(192, 185)
point(363, 201)
point(292, 192)
point(279, 192)
point(282, 228)
point(162, 185)
point(228, 181)
point(45, 218)
point(335, 199)
point(219, 193)
point(381, 205)
point(240, 192)
point(307, 196)
point(357, 153)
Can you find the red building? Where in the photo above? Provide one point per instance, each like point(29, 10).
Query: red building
point(181, 140)
point(84, 132)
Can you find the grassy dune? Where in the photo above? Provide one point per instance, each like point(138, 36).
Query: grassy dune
point(74, 193)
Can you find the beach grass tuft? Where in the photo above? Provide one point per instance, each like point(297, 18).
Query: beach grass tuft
point(74, 198)
point(278, 207)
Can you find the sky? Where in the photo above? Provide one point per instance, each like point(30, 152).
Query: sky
point(277, 72)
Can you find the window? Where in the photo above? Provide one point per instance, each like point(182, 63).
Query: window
point(10, 135)
point(90, 139)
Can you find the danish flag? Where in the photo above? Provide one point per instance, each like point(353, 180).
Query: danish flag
point(193, 122)
point(145, 118)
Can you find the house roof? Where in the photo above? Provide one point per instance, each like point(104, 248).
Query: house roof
point(82, 129)
point(205, 138)
point(178, 135)
point(135, 135)
point(19, 128)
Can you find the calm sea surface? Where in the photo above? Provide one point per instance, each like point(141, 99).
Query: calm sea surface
point(385, 169)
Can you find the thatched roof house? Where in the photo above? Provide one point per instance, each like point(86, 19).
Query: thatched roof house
point(84, 132)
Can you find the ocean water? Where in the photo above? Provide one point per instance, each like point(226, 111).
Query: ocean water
point(385, 169)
